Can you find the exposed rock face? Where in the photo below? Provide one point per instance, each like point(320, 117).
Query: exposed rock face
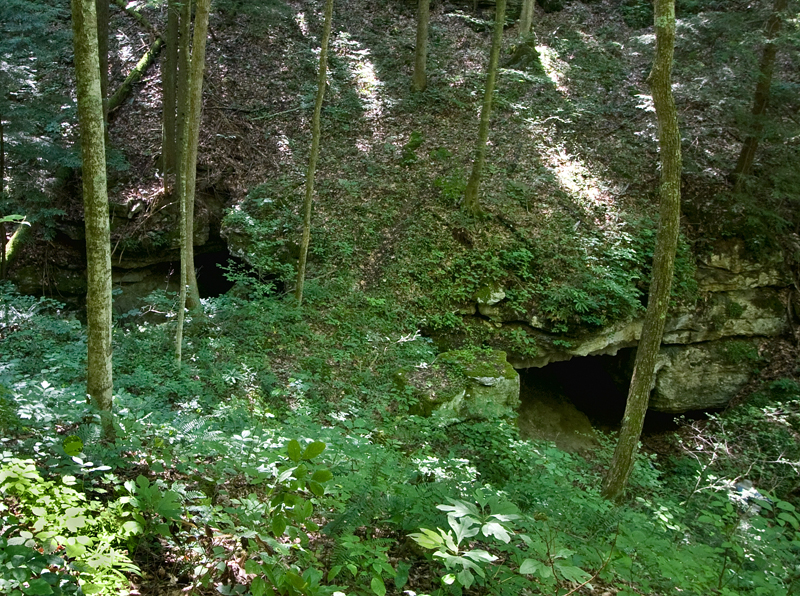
point(700, 376)
point(465, 384)
point(739, 298)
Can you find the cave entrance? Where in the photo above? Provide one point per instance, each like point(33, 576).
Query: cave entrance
point(211, 268)
point(568, 401)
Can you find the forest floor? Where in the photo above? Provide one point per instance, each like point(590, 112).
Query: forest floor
point(569, 194)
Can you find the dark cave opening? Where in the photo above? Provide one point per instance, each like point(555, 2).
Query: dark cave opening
point(211, 268)
point(574, 397)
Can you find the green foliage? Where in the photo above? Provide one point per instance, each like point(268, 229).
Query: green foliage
point(24, 570)
point(409, 150)
point(52, 516)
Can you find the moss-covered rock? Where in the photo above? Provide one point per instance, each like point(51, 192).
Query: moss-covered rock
point(464, 384)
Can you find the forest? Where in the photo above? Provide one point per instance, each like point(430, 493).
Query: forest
point(400, 297)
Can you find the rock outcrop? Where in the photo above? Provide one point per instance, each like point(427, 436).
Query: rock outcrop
point(739, 298)
point(464, 384)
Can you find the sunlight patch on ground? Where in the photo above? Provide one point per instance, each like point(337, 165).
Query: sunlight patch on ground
point(368, 87)
point(554, 67)
point(301, 22)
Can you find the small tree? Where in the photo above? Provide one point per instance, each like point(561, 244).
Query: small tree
point(526, 17)
point(99, 382)
point(471, 201)
point(669, 140)
point(169, 100)
point(314, 155)
point(193, 104)
point(761, 99)
point(420, 81)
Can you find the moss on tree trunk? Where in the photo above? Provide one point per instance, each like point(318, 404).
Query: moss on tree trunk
point(312, 158)
point(99, 381)
point(669, 140)
point(471, 200)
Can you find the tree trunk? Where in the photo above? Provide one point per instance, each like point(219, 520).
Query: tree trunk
point(3, 231)
point(133, 77)
point(102, 48)
point(169, 82)
point(669, 139)
point(314, 155)
point(761, 100)
point(184, 46)
point(471, 202)
point(526, 17)
point(99, 383)
point(191, 139)
point(419, 81)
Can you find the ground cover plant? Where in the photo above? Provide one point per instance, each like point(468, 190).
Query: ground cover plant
point(283, 456)
point(268, 478)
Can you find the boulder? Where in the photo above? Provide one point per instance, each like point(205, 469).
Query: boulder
point(464, 384)
point(702, 376)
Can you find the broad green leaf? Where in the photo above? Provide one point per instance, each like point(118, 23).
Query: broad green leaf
point(316, 488)
point(258, 587)
point(496, 530)
point(72, 445)
point(378, 586)
point(479, 555)
point(428, 539)
point(321, 476)
point(789, 518)
point(278, 525)
point(294, 450)
point(38, 586)
point(784, 505)
point(75, 523)
point(89, 588)
point(572, 573)
point(401, 575)
point(465, 578)
point(334, 572)
point(459, 508)
point(313, 450)
point(534, 567)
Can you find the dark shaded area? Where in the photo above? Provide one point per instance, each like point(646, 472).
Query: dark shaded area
point(598, 387)
point(211, 268)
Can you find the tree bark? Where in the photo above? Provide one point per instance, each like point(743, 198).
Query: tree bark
point(121, 94)
point(526, 17)
point(761, 100)
point(419, 82)
point(471, 202)
point(102, 48)
point(99, 383)
point(191, 139)
point(314, 155)
point(669, 139)
point(3, 231)
point(184, 47)
point(169, 82)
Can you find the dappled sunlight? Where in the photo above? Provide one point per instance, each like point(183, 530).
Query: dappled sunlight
point(554, 67)
point(301, 22)
point(368, 88)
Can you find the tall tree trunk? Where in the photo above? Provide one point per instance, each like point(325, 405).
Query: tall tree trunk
point(190, 142)
point(471, 202)
point(526, 17)
point(314, 155)
point(99, 384)
point(169, 82)
point(184, 47)
point(3, 231)
point(102, 48)
point(420, 81)
point(664, 258)
point(761, 100)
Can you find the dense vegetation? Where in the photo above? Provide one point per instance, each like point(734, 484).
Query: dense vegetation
point(283, 457)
